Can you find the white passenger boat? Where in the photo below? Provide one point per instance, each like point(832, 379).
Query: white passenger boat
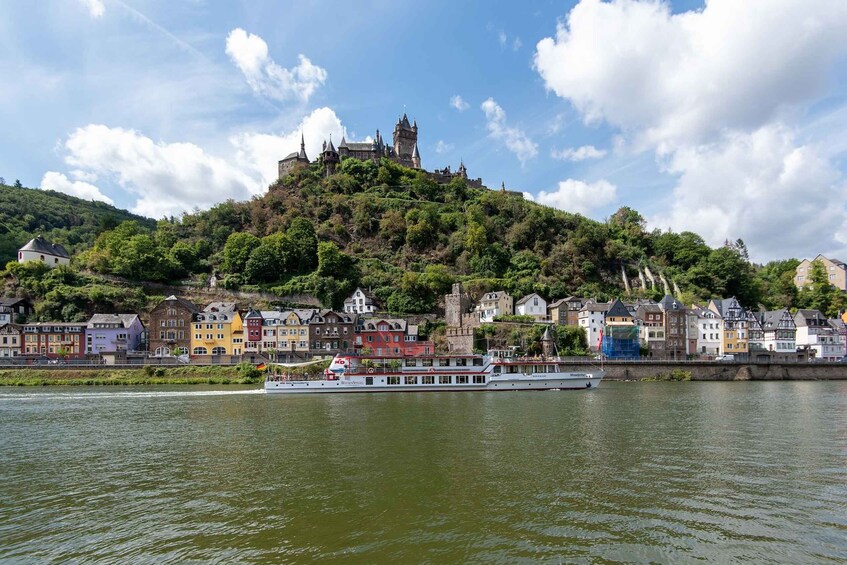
point(499, 370)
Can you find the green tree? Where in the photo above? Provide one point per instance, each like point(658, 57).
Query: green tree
point(237, 251)
point(273, 259)
point(304, 245)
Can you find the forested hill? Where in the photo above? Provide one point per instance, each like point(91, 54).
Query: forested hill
point(60, 218)
point(395, 231)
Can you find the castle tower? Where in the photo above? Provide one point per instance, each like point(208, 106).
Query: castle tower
point(416, 158)
point(405, 139)
point(547, 345)
point(463, 171)
point(330, 157)
point(455, 304)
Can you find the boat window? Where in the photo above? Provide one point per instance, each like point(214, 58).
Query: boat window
point(478, 379)
point(461, 362)
point(411, 380)
point(426, 362)
point(497, 369)
point(428, 380)
point(411, 362)
point(461, 379)
point(369, 380)
point(445, 379)
point(443, 362)
point(477, 361)
point(393, 380)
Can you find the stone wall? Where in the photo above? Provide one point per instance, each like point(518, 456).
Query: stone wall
point(713, 371)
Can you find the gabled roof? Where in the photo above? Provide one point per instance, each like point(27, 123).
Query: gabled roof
point(253, 314)
point(40, 245)
point(123, 320)
point(11, 302)
point(190, 306)
point(617, 308)
point(592, 306)
point(771, 318)
point(526, 298)
point(556, 304)
point(668, 302)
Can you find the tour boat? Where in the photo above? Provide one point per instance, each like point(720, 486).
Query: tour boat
point(498, 370)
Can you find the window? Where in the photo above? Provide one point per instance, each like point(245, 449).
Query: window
point(461, 379)
point(409, 380)
point(218, 350)
point(410, 363)
point(428, 380)
point(200, 351)
point(393, 380)
point(479, 379)
point(426, 362)
point(461, 362)
point(443, 362)
point(445, 379)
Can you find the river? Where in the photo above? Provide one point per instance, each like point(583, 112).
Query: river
point(635, 472)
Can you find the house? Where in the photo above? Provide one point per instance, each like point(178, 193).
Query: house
point(591, 318)
point(386, 336)
point(815, 333)
point(285, 333)
point(359, 303)
point(107, 333)
point(331, 332)
point(836, 272)
point(691, 331)
point(674, 319)
point(619, 339)
point(840, 328)
point(755, 333)
point(39, 249)
point(651, 329)
point(780, 330)
point(708, 331)
point(169, 332)
point(252, 330)
point(494, 304)
point(54, 339)
point(565, 311)
point(218, 330)
point(733, 325)
point(10, 340)
point(14, 310)
point(532, 305)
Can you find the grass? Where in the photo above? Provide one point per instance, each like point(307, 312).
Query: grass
point(142, 376)
point(675, 375)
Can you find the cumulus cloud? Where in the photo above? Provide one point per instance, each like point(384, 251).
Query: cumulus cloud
point(762, 187)
point(95, 7)
point(169, 178)
point(714, 93)
point(579, 197)
point(60, 183)
point(442, 147)
point(672, 78)
point(250, 54)
point(458, 103)
point(578, 154)
point(514, 138)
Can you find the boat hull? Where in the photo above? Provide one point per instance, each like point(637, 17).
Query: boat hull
point(570, 381)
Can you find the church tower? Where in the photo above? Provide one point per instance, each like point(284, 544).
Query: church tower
point(405, 140)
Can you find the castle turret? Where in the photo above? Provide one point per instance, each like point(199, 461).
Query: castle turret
point(330, 157)
point(405, 139)
point(416, 158)
point(302, 154)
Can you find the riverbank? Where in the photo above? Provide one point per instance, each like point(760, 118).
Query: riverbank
point(214, 375)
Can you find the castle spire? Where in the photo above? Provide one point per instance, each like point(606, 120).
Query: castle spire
point(302, 154)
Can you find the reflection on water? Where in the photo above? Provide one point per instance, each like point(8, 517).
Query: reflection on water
point(663, 472)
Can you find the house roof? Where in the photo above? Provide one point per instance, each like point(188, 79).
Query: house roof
point(596, 307)
point(123, 320)
point(187, 303)
point(40, 245)
point(11, 302)
point(617, 308)
point(526, 298)
point(771, 318)
point(253, 314)
point(668, 302)
point(558, 303)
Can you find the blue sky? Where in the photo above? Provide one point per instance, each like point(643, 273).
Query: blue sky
point(724, 118)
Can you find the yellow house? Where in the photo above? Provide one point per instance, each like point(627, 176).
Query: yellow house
point(218, 330)
point(733, 321)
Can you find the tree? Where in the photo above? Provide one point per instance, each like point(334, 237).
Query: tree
point(476, 240)
point(332, 262)
point(18, 184)
point(274, 258)
point(237, 251)
point(304, 245)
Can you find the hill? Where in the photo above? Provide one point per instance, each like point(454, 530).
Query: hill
point(396, 231)
point(71, 221)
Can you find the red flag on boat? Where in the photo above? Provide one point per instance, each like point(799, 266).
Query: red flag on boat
point(261, 366)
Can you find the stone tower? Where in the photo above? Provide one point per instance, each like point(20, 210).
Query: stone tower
point(416, 158)
point(455, 304)
point(405, 140)
point(330, 157)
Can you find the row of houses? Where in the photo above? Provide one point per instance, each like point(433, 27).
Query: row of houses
point(103, 333)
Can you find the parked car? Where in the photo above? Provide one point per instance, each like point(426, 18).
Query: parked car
point(727, 357)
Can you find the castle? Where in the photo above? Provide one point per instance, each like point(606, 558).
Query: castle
point(404, 151)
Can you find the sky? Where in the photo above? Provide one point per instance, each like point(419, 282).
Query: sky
point(724, 118)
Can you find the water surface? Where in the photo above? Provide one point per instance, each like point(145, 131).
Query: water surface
point(644, 472)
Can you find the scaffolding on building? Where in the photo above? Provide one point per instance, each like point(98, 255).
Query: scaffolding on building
point(620, 342)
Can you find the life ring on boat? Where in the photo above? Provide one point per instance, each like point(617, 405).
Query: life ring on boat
point(370, 371)
point(432, 369)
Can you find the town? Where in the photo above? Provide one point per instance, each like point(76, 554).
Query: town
point(179, 331)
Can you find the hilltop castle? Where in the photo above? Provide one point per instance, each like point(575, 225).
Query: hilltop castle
point(404, 151)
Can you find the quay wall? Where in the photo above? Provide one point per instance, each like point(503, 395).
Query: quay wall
point(712, 371)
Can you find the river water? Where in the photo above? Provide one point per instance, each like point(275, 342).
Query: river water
point(635, 472)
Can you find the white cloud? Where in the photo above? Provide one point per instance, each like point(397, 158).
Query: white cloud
point(517, 44)
point(578, 154)
point(442, 147)
point(458, 103)
point(250, 53)
point(95, 7)
point(514, 138)
point(169, 178)
point(60, 183)
point(579, 197)
point(528, 196)
point(673, 78)
point(502, 38)
point(715, 93)
point(760, 187)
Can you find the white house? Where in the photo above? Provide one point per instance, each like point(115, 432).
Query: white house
point(494, 304)
point(591, 318)
point(39, 249)
point(709, 331)
point(780, 331)
point(359, 303)
point(532, 305)
point(816, 333)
